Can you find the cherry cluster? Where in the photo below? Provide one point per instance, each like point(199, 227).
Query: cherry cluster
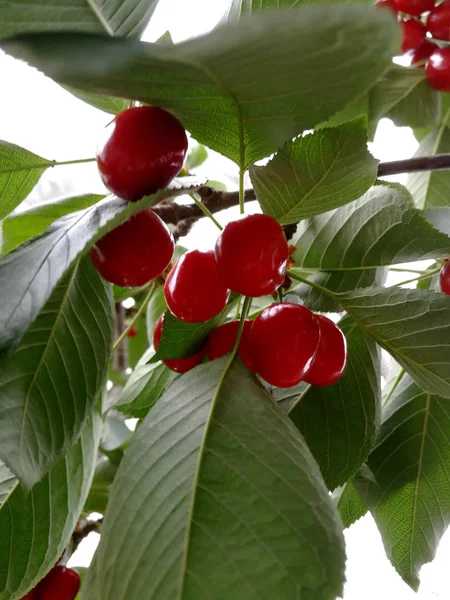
point(60, 584)
point(424, 24)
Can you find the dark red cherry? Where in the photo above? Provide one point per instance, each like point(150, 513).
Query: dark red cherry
point(194, 292)
point(444, 278)
point(283, 342)
point(135, 252)
point(331, 357)
point(413, 35)
point(252, 254)
point(221, 341)
point(414, 7)
point(179, 365)
point(32, 595)
point(390, 4)
point(438, 22)
point(437, 70)
point(60, 584)
point(422, 54)
point(142, 151)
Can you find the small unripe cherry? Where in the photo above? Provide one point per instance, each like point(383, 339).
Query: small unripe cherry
point(179, 365)
point(61, 583)
point(283, 342)
point(437, 70)
point(444, 278)
point(413, 35)
point(136, 252)
point(331, 357)
point(222, 339)
point(251, 254)
point(194, 291)
point(142, 150)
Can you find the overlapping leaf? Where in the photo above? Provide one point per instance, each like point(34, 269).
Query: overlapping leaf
point(316, 173)
point(29, 274)
point(410, 498)
point(349, 504)
point(245, 108)
point(49, 385)
point(112, 17)
point(221, 462)
point(381, 228)
point(243, 8)
point(36, 527)
point(339, 422)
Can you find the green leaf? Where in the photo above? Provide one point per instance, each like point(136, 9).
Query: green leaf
point(244, 109)
point(145, 386)
point(107, 104)
point(37, 527)
point(116, 433)
point(404, 95)
point(243, 8)
point(20, 170)
point(30, 273)
point(412, 325)
point(349, 504)
point(113, 17)
point(50, 384)
point(25, 225)
point(222, 461)
point(137, 345)
point(381, 228)
point(196, 157)
point(7, 483)
point(180, 339)
point(155, 308)
point(98, 496)
point(316, 173)
point(439, 217)
point(410, 499)
point(339, 422)
point(432, 188)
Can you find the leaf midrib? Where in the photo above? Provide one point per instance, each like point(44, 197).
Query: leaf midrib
point(97, 12)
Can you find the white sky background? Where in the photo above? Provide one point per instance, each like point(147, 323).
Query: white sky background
point(37, 114)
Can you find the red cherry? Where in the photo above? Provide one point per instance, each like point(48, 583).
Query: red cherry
point(193, 290)
point(437, 70)
point(132, 333)
point(390, 4)
point(414, 7)
point(331, 358)
point(444, 278)
point(142, 151)
point(422, 53)
point(251, 255)
point(284, 340)
point(221, 341)
point(438, 22)
point(31, 595)
point(60, 584)
point(413, 35)
point(135, 252)
point(179, 365)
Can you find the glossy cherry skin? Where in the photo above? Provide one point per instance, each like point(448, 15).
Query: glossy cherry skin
point(422, 53)
point(251, 254)
point(331, 357)
point(33, 595)
point(135, 252)
point(194, 292)
point(413, 35)
point(221, 341)
point(284, 339)
point(444, 278)
point(60, 584)
point(390, 4)
point(438, 22)
point(414, 7)
point(437, 70)
point(179, 365)
point(142, 150)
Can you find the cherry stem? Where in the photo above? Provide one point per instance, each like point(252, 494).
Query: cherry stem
point(136, 317)
point(312, 284)
point(46, 165)
point(241, 191)
point(206, 211)
point(394, 385)
point(426, 275)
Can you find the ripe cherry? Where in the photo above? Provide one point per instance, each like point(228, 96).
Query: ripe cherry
point(193, 290)
point(60, 584)
point(284, 340)
point(438, 22)
point(142, 151)
point(437, 70)
point(251, 255)
point(221, 341)
point(331, 358)
point(32, 595)
point(444, 278)
point(422, 53)
point(179, 365)
point(390, 4)
point(414, 7)
point(413, 35)
point(135, 252)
